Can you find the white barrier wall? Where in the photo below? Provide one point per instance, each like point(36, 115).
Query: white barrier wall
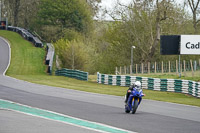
point(171, 85)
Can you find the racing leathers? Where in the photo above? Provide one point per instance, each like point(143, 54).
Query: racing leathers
point(129, 92)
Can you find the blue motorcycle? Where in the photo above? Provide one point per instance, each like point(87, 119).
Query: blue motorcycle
point(134, 100)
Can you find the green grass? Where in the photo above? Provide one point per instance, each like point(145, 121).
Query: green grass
point(25, 58)
point(27, 63)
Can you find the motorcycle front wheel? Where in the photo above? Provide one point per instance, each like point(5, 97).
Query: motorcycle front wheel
point(134, 108)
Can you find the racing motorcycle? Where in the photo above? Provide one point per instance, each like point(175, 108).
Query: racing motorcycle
point(134, 100)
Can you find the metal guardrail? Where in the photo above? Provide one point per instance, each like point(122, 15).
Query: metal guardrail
point(80, 75)
point(49, 57)
point(171, 85)
point(27, 35)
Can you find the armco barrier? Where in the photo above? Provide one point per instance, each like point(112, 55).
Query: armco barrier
point(172, 85)
point(80, 75)
point(27, 35)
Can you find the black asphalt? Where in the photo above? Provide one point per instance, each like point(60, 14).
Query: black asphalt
point(151, 117)
point(4, 55)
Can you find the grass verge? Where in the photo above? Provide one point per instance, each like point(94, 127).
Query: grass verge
point(25, 58)
point(27, 63)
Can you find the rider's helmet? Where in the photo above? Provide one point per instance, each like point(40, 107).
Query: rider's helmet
point(137, 84)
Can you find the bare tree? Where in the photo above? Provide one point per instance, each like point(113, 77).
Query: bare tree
point(14, 6)
point(28, 12)
point(161, 15)
point(94, 4)
point(194, 6)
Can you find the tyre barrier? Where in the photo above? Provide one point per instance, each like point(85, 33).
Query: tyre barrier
point(49, 57)
point(27, 35)
point(170, 85)
point(80, 75)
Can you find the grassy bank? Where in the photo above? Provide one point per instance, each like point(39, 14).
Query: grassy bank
point(28, 64)
point(25, 58)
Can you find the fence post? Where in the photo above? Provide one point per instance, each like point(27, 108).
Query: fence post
point(142, 68)
point(184, 68)
point(125, 70)
point(155, 68)
point(116, 71)
point(131, 72)
point(169, 67)
point(192, 68)
point(120, 70)
point(148, 67)
point(176, 67)
point(136, 69)
point(162, 67)
point(199, 64)
point(181, 68)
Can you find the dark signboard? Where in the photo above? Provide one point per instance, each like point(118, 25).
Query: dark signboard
point(170, 44)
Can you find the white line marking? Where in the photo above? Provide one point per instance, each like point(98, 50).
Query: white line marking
point(65, 116)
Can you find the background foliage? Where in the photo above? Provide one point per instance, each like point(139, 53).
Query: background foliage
point(98, 45)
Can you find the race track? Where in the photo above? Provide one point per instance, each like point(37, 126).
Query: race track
point(151, 116)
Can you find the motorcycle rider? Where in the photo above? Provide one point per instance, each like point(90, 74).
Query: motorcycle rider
point(137, 84)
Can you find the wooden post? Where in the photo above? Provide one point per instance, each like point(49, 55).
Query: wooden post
point(184, 68)
point(125, 70)
point(149, 67)
point(136, 69)
point(192, 68)
point(181, 68)
point(169, 67)
point(131, 72)
point(155, 68)
point(199, 62)
point(142, 68)
point(120, 70)
point(162, 67)
point(176, 67)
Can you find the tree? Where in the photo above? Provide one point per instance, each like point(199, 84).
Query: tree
point(28, 13)
point(69, 14)
point(72, 53)
point(21, 12)
point(14, 7)
point(141, 25)
point(194, 6)
point(162, 8)
point(94, 4)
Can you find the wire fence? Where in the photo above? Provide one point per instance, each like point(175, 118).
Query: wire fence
point(170, 67)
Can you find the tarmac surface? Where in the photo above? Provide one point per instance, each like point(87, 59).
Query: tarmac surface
point(151, 116)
